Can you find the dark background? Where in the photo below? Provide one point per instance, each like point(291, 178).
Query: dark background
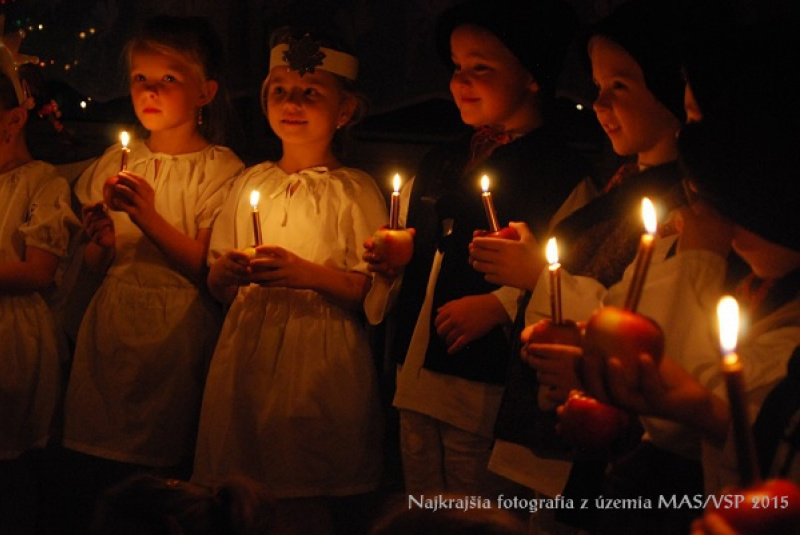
point(78, 43)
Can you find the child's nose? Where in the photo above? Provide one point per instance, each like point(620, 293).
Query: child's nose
point(460, 78)
point(294, 98)
point(600, 102)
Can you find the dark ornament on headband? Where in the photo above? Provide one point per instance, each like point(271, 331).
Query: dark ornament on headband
point(304, 55)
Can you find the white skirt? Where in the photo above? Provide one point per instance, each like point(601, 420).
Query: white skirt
point(291, 398)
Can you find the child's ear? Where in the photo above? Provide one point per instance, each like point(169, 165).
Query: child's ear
point(347, 110)
point(18, 117)
point(208, 90)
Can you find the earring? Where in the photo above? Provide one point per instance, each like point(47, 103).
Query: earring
point(199, 116)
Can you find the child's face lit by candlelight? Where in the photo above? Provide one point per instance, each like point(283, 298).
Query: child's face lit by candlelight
point(489, 84)
point(306, 109)
point(167, 91)
point(632, 117)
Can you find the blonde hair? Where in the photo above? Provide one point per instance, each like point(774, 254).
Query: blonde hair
point(194, 41)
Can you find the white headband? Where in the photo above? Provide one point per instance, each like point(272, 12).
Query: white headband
point(304, 55)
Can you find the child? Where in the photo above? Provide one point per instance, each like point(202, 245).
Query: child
point(448, 326)
point(291, 399)
point(744, 138)
point(145, 342)
point(639, 104)
point(35, 228)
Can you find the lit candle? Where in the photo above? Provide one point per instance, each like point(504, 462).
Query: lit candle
point(124, 138)
point(551, 252)
point(256, 221)
point(643, 256)
point(488, 205)
point(728, 317)
point(394, 207)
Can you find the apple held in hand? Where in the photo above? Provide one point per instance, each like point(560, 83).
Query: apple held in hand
point(588, 424)
point(616, 332)
point(506, 233)
point(768, 508)
point(395, 246)
point(547, 332)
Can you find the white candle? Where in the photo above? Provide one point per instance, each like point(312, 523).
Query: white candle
point(394, 207)
point(643, 256)
point(488, 205)
point(254, 196)
point(551, 252)
point(732, 369)
point(124, 138)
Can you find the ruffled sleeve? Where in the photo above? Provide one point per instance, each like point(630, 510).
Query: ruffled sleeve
point(51, 219)
point(368, 213)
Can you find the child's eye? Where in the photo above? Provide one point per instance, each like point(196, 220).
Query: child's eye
point(277, 90)
point(456, 67)
point(618, 85)
point(137, 78)
point(480, 67)
point(169, 78)
point(311, 92)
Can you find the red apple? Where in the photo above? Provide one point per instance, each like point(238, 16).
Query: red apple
point(768, 508)
point(507, 233)
point(589, 424)
point(395, 246)
point(616, 332)
point(546, 332)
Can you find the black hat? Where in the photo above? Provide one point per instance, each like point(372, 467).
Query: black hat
point(538, 33)
point(648, 31)
point(744, 156)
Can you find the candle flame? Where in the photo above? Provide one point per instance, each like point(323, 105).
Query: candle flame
point(728, 317)
point(649, 216)
point(124, 138)
point(254, 196)
point(396, 182)
point(485, 183)
point(551, 251)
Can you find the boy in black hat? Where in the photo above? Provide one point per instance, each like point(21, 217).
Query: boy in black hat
point(447, 326)
point(635, 66)
point(741, 158)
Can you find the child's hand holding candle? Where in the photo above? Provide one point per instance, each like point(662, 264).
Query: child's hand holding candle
point(620, 332)
point(495, 231)
point(392, 246)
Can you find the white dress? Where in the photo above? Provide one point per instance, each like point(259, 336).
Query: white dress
point(291, 398)
point(34, 212)
point(146, 339)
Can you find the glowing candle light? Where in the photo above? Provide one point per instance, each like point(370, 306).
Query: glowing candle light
point(551, 253)
point(732, 369)
point(488, 205)
point(254, 196)
point(394, 207)
point(643, 256)
point(124, 138)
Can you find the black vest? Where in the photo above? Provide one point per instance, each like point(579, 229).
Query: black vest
point(530, 179)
